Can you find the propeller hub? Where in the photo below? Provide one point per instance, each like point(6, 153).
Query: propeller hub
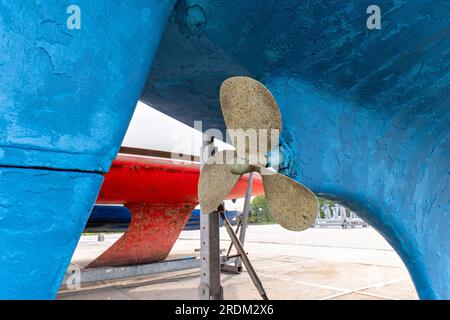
point(249, 106)
point(240, 169)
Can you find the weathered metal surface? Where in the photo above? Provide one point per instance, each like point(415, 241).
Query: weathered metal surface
point(248, 106)
point(292, 205)
point(243, 256)
point(216, 181)
point(210, 287)
point(91, 275)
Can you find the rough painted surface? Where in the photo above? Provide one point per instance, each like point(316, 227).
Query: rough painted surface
point(395, 174)
point(151, 234)
point(366, 113)
point(42, 214)
point(160, 193)
point(66, 98)
point(150, 180)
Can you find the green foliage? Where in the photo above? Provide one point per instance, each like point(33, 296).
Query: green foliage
point(259, 213)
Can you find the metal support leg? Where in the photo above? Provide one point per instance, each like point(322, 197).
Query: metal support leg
point(231, 244)
point(210, 288)
point(243, 256)
point(244, 218)
point(343, 216)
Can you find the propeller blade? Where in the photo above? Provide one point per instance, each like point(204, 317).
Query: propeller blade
point(291, 204)
point(248, 104)
point(216, 181)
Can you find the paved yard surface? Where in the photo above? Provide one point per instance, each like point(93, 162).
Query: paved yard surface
point(319, 263)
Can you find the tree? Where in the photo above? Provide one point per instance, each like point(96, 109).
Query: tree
point(259, 212)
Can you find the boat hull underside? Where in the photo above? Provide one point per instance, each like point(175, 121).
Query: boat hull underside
point(366, 115)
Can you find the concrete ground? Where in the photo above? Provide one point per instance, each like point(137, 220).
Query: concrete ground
point(319, 263)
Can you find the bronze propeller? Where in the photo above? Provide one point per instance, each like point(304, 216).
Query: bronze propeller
point(248, 105)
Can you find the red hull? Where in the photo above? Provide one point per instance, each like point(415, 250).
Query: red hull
point(134, 179)
point(160, 194)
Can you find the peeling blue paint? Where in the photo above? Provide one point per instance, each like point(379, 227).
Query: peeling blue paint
point(67, 95)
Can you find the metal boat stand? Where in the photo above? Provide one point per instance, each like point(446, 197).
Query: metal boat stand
point(211, 262)
point(243, 255)
point(210, 259)
point(241, 229)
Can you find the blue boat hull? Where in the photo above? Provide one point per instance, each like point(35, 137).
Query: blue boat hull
point(66, 98)
point(366, 116)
